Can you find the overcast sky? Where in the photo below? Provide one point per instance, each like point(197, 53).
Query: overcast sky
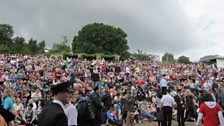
point(193, 28)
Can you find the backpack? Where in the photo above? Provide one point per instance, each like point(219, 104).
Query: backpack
point(90, 115)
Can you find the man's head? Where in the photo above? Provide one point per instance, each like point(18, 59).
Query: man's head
point(179, 91)
point(128, 95)
point(63, 92)
point(97, 89)
point(30, 106)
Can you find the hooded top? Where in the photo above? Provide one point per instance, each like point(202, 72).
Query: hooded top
point(212, 113)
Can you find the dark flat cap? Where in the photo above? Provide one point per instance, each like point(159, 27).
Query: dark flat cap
point(62, 87)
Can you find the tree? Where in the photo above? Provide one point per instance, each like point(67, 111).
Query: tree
point(101, 38)
point(18, 45)
point(168, 58)
point(41, 46)
point(62, 47)
point(184, 59)
point(32, 46)
point(6, 34)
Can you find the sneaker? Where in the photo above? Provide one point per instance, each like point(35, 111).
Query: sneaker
point(135, 122)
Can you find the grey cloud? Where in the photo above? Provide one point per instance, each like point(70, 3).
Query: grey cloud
point(151, 25)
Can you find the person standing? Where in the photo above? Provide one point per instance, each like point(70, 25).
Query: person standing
point(106, 99)
point(180, 108)
point(221, 94)
point(210, 111)
point(190, 104)
point(84, 116)
point(54, 113)
point(129, 108)
point(163, 84)
point(97, 106)
point(71, 112)
point(167, 103)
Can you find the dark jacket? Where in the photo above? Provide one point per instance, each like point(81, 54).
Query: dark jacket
point(82, 112)
point(107, 100)
point(180, 102)
point(97, 105)
point(189, 102)
point(53, 115)
point(129, 105)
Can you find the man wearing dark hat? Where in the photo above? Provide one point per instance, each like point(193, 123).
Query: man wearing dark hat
point(54, 113)
point(180, 108)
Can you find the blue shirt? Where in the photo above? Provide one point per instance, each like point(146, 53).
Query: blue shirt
point(7, 103)
point(163, 83)
point(117, 106)
point(111, 116)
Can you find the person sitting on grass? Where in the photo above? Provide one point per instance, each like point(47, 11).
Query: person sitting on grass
point(112, 118)
point(146, 112)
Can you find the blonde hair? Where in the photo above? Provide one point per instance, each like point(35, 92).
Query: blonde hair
point(18, 100)
point(188, 92)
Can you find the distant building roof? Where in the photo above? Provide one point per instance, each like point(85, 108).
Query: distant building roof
point(211, 57)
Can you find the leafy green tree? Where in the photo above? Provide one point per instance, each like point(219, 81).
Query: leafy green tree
point(168, 58)
point(41, 46)
point(184, 59)
point(101, 38)
point(6, 34)
point(18, 45)
point(4, 48)
point(62, 47)
point(32, 46)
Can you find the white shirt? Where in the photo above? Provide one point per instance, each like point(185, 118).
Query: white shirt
point(127, 70)
point(16, 108)
point(36, 96)
point(72, 114)
point(168, 100)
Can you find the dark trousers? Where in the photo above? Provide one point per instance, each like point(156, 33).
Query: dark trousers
point(167, 113)
point(164, 90)
point(115, 123)
point(192, 113)
point(123, 116)
point(97, 122)
point(180, 117)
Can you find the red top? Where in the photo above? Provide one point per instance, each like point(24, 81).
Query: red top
point(141, 82)
point(103, 67)
point(210, 115)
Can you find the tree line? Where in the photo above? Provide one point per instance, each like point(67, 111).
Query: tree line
point(17, 45)
point(91, 39)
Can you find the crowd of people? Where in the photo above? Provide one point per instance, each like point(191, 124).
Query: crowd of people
point(97, 92)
